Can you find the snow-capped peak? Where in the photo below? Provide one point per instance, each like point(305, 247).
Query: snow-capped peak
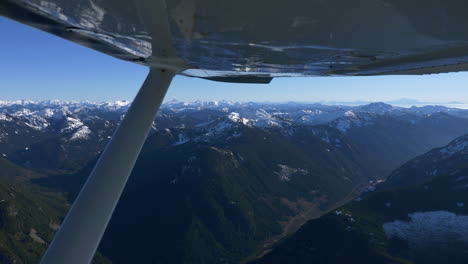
point(235, 117)
point(55, 114)
point(4, 117)
point(22, 112)
point(72, 124)
point(350, 114)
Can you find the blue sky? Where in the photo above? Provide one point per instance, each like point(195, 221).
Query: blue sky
point(38, 66)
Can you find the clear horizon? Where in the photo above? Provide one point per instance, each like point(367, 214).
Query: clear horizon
point(38, 66)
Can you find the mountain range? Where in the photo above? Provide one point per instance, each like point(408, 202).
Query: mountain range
point(27, 127)
point(219, 182)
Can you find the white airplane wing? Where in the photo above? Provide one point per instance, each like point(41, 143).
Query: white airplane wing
point(253, 41)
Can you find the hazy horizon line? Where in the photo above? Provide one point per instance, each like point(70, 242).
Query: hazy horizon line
point(402, 102)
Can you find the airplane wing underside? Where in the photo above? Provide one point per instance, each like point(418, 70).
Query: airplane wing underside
point(253, 41)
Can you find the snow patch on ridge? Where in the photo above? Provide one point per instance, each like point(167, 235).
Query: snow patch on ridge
point(83, 133)
point(440, 227)
point(4, 117)
point(182, 139)
point(265, 119)
point(458, 146)
point(72, 124)
point(286, 172)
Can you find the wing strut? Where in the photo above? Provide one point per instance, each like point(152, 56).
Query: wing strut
point(81, 231)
